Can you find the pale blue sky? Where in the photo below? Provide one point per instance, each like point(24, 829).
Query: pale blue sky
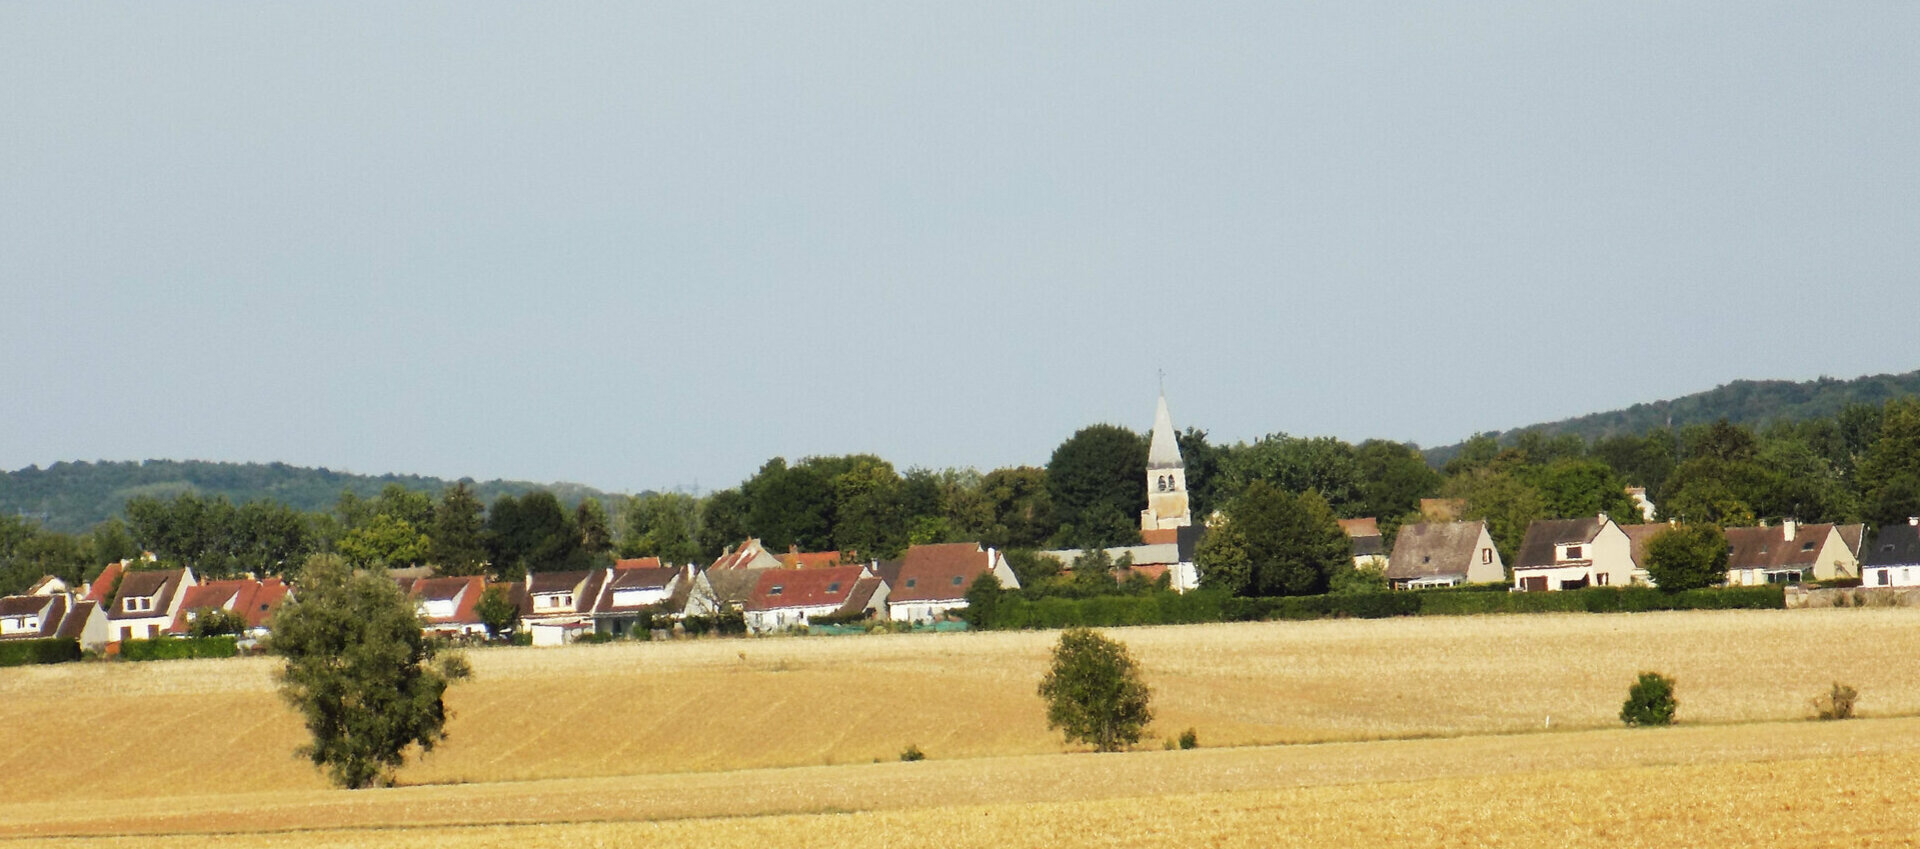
point(643, 245)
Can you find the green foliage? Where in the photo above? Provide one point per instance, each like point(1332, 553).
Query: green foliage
point(1292, 464)
point(1018, 508)
point(1223, 559)
point(1096, 481)
point(364, 678)
point(49, 650)
point(1687, 557)
point(1503, 499)
point(912, 753)
point(791, 506)
point(497, 611)
point(216, 622)
point(1650, 701)
point(666, 525)
point(1094, 692)
point(983, 601)
point(1890, 472)
point(1189, 739)
point(1393, 479)
point(457, 542)
point(383, 540)
point(1293, 543)
point(174, 648)
point(1835, 703)
point(1349, 579)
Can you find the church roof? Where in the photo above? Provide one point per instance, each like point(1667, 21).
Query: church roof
point(1164, 451)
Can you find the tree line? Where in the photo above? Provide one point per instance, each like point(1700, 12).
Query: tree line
point(1276, 499)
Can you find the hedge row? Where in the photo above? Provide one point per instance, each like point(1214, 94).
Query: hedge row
point(173, 648)
point(1169, 609)
point(49, 650)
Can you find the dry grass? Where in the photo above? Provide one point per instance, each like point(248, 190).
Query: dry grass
point(582, 735)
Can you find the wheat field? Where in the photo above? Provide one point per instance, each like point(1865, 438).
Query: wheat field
point(1424, 732)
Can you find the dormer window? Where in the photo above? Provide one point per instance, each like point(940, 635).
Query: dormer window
point(1807, 546)
point(137, 604)
point(1574, 552)
point(957, 580)
point(912, 581)
point(775, 590)
point(833, 587)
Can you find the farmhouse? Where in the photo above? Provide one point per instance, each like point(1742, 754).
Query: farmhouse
point(721, 590)
point(31, 617)
point(446, 605)
point(147, 603)
point(1570, 554)
point(1444, 554)
point(254, 600)
point(626, 593)
point(783, 598)
point(933, 579)
point(1787, 553)
point(559, 605)
point(749, 554)
point(1892, 558)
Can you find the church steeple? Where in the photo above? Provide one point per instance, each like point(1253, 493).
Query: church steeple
point(1166, 477)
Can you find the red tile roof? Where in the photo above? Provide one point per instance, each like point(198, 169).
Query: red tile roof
point(637, 563)
point(255, 600)
point(810, 559)
point(939, 572)
point(440, 589)
point(783, 588)
point(102, 585)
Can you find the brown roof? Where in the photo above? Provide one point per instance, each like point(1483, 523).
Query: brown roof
point(1364, 527)
point(782, 588)
point(97, 591)
point(733, 586)
point(862, 594)
point(443, 589)
point(1853, 535)
point(51, 609)
point(632, 579)
point(24, 605)
point(939, 572)
point(160, 584)
point(72, 624)
point(556, 582)
point(1638, 535)
point(637, 563)
point(740, 557)
point(1432, 549)
point(1543, 534)
point(810, 559)
point(1768, 549)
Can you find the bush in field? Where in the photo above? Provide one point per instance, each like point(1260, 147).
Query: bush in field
point(1836, 703)
point(1189, 739)
point(1650, 701)
point(912, 753)
point(1094, 693)
point(359, 671)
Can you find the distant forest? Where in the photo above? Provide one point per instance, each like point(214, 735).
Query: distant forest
point(1752, 403)
point(72, 497)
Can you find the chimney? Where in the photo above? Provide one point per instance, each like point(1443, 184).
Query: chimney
point(1787, 526)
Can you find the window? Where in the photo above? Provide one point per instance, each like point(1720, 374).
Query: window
point(1882, 573)
point(1161, 484)
point(957, 580)
point(1807, 546)
point(833, 587)
point(912, 581)
point(1573, 552)
point(1600, 580)
point(1486, 555)
point(775, 590)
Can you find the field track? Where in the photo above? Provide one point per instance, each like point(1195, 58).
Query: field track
point(759, 742)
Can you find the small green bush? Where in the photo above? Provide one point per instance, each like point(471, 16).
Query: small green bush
point(1189, 739)
point(1650, 701)
point(912, 753)
point(594, 638)
point(49, 650)
point(175, 648)
point(1836, 703)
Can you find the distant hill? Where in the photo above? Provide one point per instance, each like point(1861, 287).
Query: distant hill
point(1754, 403)
point(75, 496)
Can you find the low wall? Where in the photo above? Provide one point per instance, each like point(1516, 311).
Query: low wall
point(1799, 598)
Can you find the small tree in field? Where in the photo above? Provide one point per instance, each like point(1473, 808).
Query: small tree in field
point(1650, 701)
point(360, 672)
point(1094, 693)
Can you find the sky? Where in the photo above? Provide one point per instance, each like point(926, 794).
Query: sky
point(645, 246)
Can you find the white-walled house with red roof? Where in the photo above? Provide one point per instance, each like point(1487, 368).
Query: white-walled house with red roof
point(933, 579)
point(786, 598)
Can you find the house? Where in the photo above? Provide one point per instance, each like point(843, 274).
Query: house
point(559, 605)
point(747, 555)
point(1892, 559)
point(446, 605)
point(255, 601)
point(1787, 553)
point(1444, 554)
point(784, 598)
point(87, 623)
point(32, 617)
point(1638, 494)
point(933, 579)
point(626, 593)
point(1570, 554)
point(1173, 559)
point(1853, 535)
point(147, 603)
point(1369, 548)
point(100, 590)
point(720, 590)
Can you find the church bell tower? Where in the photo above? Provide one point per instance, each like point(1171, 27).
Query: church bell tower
point(1167, 510)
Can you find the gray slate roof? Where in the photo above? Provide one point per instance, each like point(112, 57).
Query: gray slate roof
point(1433, 549)
point(1163, 452)
point(1544, 534)
point(1893, 545)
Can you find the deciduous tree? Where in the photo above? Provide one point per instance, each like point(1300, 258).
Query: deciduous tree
point(1094, 692)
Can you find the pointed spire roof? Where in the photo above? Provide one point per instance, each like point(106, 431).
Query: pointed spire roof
point(1164, 451)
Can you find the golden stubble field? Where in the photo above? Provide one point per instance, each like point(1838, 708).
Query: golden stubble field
point(734, 741)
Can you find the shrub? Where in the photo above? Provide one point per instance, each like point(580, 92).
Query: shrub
point(1094, 693)
point(173, 648)
point(49, 650)
point(1836, 703)
point(1189, 739)
point(1650, 701)
point(912, 753)
point(594, 638)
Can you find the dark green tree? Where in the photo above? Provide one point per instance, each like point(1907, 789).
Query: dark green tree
point(1889, 474)
point(496, 611)
point(983, 601)
point(1223, 559)
point(1297, 464)
point(1097, 483)
point(1650, 701)
point(365, 680)
point(723, 522)
point(1094, 692)
point(456, 539)
point(1293, 543)
point(789, 506)
point(1687, 557)
point(590, 521)
point(869, 519)
point(1019, 508)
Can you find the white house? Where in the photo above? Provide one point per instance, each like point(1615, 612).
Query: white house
point(1788, 553)
point(1570, 554)
point(1444, 554)
point(933, 579)
point(784, 598)
point(147, 603)
point(627, 592)
point(1892, 558)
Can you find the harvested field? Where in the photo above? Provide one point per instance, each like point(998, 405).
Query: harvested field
point(595, 742)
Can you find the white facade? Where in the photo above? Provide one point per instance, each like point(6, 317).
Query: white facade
point(1604, 561)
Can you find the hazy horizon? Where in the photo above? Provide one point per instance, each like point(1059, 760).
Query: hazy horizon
point(641, 248)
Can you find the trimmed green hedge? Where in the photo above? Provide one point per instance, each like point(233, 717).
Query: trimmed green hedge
point(1170, 609)
point(177, 648)
point(49, 650)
